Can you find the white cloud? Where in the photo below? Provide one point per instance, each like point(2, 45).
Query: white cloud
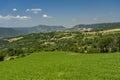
point(9, 17)
point(27, 10)
point(46, 16)
point(14, 9)
point(35, 10)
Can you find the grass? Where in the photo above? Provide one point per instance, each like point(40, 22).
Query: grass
point(62, 66)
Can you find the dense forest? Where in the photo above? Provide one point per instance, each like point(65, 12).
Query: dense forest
point(79, 42)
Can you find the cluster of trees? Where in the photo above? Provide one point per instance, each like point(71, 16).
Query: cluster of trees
point(97, 43)
point(62, 41)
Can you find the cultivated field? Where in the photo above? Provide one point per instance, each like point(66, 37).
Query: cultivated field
point(62, 66)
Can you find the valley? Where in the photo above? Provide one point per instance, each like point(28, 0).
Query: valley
point(59, 39)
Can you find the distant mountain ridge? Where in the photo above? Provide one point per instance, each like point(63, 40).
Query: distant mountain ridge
point(39, 28)
point(95, 27)
point(5, 32)
point(9, 32)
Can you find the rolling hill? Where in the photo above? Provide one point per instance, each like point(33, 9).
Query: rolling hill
point(62, 66)
point(8, 32)
point(39, 28)
point(95, 27)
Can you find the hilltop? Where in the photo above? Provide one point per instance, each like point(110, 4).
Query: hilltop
point(9, 32)
point(95, 27)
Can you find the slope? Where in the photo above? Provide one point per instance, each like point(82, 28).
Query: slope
point(62, 66)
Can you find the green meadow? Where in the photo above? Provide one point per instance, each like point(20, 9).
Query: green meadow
point(62, 66)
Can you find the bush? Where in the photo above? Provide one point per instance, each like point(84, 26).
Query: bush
point(2, 55)
point(93, 50)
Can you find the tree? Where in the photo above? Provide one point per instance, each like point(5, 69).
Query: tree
point(105, 44)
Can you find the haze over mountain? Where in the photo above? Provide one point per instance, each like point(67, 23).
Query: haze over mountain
point(95, 27)
point(9, 32)
point(39, 28)
point(6, 32)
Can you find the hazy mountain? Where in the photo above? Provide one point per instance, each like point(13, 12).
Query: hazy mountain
point(95, 27)
point(39, 28)
point(8, 32)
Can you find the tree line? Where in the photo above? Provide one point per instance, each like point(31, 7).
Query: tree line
point(79, 42)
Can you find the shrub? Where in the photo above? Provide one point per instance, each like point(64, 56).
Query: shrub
point(2, 55)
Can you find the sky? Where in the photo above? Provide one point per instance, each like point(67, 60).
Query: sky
point(68, 13)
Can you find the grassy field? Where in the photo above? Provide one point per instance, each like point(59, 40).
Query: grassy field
point(62, 66)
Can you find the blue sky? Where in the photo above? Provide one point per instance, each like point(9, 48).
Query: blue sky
point(27, 13)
